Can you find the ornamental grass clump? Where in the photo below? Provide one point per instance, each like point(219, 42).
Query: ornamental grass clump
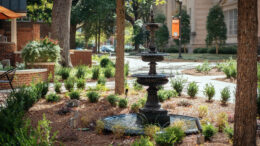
point(57, 87)
point(112, 99)
point(203, 111)
point(69, 84)
point(81, 71)
point(64, 72)
point(209, 91)
point(118, 131)
point(222, 120)
point(178, 84)
point(81, 83)
point(205, 67)
point(102, 81)
point(151, 130)
point(193, 89)
point(95, 72)
point(135, 107)
point(208, 131)
point(93, 96)
point(225, 95)
point(143, 141)
point(166, 138)
point(122, 103)
point(52, 97)
point(100, 126)
point(74, 95)
point(229, 131)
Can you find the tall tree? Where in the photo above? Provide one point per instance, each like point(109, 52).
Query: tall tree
point(245, 109)
point(40, 10)
point(216, 27)
point(120, 34)
point(185, 29)
point(61, 28)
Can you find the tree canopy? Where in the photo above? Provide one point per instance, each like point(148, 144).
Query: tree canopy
point(40, 10)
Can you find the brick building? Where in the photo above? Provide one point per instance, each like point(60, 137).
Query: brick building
point(198, 11)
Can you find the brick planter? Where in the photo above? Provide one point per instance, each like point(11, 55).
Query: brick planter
point(26, 77)
point(81, 57)
point(50, 66)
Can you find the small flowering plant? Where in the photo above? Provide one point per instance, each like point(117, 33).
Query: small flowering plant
point(45, 50)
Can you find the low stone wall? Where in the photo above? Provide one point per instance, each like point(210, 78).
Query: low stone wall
point(26, 77)
point(81, 57)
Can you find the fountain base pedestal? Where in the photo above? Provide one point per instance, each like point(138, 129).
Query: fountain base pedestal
point(154, 116)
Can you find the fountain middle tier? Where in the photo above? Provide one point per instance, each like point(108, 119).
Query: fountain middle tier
point(148, 79)
point(152, 57)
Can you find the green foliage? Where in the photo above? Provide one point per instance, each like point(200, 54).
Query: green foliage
point(166, 94)
point(222, 50)
point(64, 72)
point(166, 138)
point(193, 89)
point(143, 141)
point(209, 91)
point(81, 72)
point(222, 120)
point(142, 101)
point(184, 103)
point(179, 133)
point(203, 111)
point(185, 28)
point(229, 67)
point(216, 27)
point(93, 96)
point(225, 95)
point(137, 86)
point(52, 97)
point(57, 87)
point(208, 131)
point(102, 80)
point(100, 125)
point(95, 72)
point(81, 83)
point(42, 88)
point(200, 50)
point(112, 99)
point(151, 130)
point(205, 67)
point(108, 72)
point(41, 51)
point(69, 84)
point(135, 107)
point(74, 95)
point(122, 103)
point(258, 100)
point(39, 10)
point(118, 131)
point(162, 34)
point(229, 131)
point(178, 84)
point(104, 62)
point(126, 69)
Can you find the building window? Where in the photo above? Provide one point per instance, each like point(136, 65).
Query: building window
point(231, 21)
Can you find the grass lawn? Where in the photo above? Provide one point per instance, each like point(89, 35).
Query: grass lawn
point(200, 57)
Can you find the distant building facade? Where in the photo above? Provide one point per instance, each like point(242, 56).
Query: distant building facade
point(198, 11)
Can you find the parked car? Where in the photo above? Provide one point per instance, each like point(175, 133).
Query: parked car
point(107, 48)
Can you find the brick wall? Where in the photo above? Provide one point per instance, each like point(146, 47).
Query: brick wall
point(81, 57)
point(7, 51)
point(26, 77)
point(49, 66)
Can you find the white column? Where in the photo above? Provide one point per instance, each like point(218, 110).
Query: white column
point(14, 31)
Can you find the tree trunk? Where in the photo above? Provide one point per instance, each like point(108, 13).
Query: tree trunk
point(120, 32)
point(61, 28)
point(245, 110)
point(73, 29)
point(96, 43)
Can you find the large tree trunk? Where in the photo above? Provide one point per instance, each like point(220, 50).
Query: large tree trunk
point(73, 29)
point(61, 28)
point(245, 110)
point(120, 32)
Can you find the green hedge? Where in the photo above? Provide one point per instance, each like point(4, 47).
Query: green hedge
point(222, 50)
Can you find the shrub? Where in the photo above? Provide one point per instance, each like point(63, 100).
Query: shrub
point(179, 133)
point(95, 72)
point(74, 95)
point(200, 50)
point(122, 103)
point(135, 107)
point(225, 95)
point(81, 83)
point(93, 96)
point(41, 51)
point(172, 49)
point(222, 120)
point(178, 84)
point(229, 132)
point(209, 91)
point(100, 125)
point(205, 67)
point(193, 89)
point(151, 130)
point(108, 72)
point(137, 86)
point(69, 84)
point(208, 131)
point(167, 137)
point(42, 88)
point(104, 62)
point(52, 97)
point(64, 72)
point(142, 101)
point(118, 131)
point(112, 99)
point(203, 111)
point(81, 72)
point(57, 87)
point(166, 94)
point(184, 103)
point(101, 81)
point(143, 141)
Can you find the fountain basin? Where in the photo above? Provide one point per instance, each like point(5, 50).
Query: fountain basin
point(153, 57)
point(147, 80)
point(133, 125)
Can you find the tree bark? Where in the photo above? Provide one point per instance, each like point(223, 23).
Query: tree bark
point(245, 110)
point(61, 28)
point(120, 32)
point(73, 29)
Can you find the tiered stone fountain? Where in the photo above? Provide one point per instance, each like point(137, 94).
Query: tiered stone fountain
point(152, 113)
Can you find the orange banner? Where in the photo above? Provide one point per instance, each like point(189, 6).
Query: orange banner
point(175, 28)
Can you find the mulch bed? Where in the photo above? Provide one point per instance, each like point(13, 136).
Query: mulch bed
point(73, 137)
point(227, 80)
point(212, 72)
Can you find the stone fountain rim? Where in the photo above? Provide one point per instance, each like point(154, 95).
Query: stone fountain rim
point(156, 76)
